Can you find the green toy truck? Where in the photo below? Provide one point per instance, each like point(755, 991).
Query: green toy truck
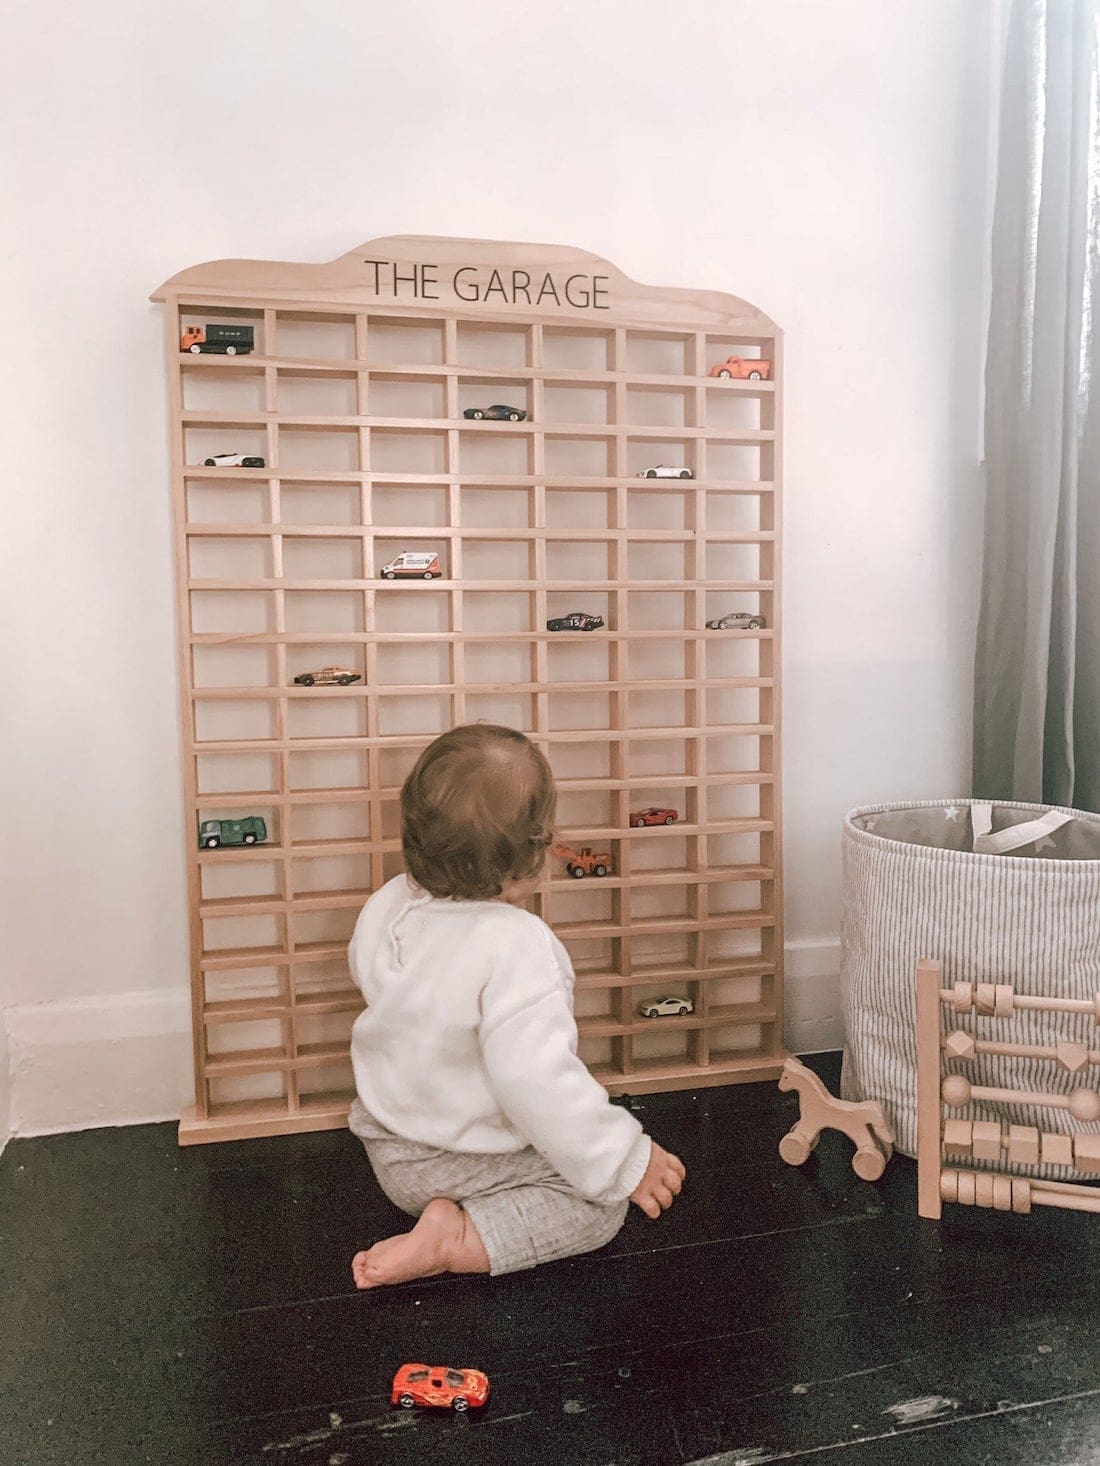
point(249, 831)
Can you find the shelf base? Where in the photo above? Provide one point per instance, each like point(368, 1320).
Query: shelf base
point(248, 1123)
point(663, 1078)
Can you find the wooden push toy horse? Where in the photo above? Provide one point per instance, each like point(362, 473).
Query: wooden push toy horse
point(862, 1122)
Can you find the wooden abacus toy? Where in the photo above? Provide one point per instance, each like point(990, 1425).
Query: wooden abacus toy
point(991, 1141)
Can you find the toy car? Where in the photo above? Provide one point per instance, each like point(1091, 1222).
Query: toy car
point(437, 1384)
point(583, 862)
point(328, 677)
point(665, 470)
point(667, 1007)
point(575, 621)
point(737, 621)
point(250, 831)
point(654, 816)
point(233, 460)
point(755, 367)
point(500, 411)
point(412, 565)
point(219, 340)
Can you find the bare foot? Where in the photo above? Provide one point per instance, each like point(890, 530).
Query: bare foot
point(444, 1240)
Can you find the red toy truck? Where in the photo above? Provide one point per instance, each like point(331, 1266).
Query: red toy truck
point(757, 368)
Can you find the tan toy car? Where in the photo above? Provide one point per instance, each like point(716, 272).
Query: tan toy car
point(328, 677)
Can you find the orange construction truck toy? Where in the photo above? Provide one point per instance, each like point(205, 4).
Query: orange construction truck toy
point(583, 862)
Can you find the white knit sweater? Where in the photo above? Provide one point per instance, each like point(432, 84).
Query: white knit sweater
point(468, 1041)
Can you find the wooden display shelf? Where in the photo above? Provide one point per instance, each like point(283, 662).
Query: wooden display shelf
point(354, 397)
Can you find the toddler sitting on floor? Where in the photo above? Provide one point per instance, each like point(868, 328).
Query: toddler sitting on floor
point(476, 1113)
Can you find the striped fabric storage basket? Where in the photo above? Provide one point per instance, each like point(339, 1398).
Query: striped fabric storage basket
point(999, 893)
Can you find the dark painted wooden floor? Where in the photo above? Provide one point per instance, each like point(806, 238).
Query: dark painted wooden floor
point(195, 1306)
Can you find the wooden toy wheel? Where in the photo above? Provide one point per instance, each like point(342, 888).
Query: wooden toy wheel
point(868, 1163)
point(795, 1149)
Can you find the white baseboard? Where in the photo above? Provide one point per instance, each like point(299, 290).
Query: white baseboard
point(814, 1012)
point(120, 1059)
point(125, 1058)
point(5, 1089)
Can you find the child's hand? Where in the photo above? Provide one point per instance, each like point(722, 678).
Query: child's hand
point(661, 1183)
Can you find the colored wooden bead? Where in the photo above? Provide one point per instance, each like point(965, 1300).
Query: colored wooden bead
point(983, 1189)
point(1023, 1145)
point(1086, 1153)
point(985, 998)
point(1072, 1057)
point(1002, 1193)
point(1021, 1195)
point(958, 1137)
point(1002, 1000)
point(959, 1045)
point(1084, 1104)
point(1057, 1150)
point(956, 1090)
point(949, 1185)
point(967, 1181)
point(987, 1140)
point(962, 998)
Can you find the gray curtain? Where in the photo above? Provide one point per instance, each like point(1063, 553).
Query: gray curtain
point(1037, 670)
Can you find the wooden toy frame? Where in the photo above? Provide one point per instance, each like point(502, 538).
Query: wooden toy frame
point(613, 377)
point(989, 1141)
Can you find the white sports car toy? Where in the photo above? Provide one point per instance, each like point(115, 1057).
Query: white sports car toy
point(233, 460)
point(666, 470)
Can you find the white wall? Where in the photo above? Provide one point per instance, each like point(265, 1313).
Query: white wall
point(828, 162)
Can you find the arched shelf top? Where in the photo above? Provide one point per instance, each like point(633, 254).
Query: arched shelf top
point(482, 277)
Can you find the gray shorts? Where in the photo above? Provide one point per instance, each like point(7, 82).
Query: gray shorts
point(524, 1212)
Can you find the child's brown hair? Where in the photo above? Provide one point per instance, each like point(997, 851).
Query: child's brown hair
point(477, 811)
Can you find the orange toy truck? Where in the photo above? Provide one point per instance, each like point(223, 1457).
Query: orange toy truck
point(756, 368)
point(583, 862)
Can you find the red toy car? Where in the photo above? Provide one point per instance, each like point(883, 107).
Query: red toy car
point(654, 816)
point(438, 1384)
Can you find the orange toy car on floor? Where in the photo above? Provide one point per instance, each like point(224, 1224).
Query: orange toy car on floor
point(439, 1385)
point(756, 368)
